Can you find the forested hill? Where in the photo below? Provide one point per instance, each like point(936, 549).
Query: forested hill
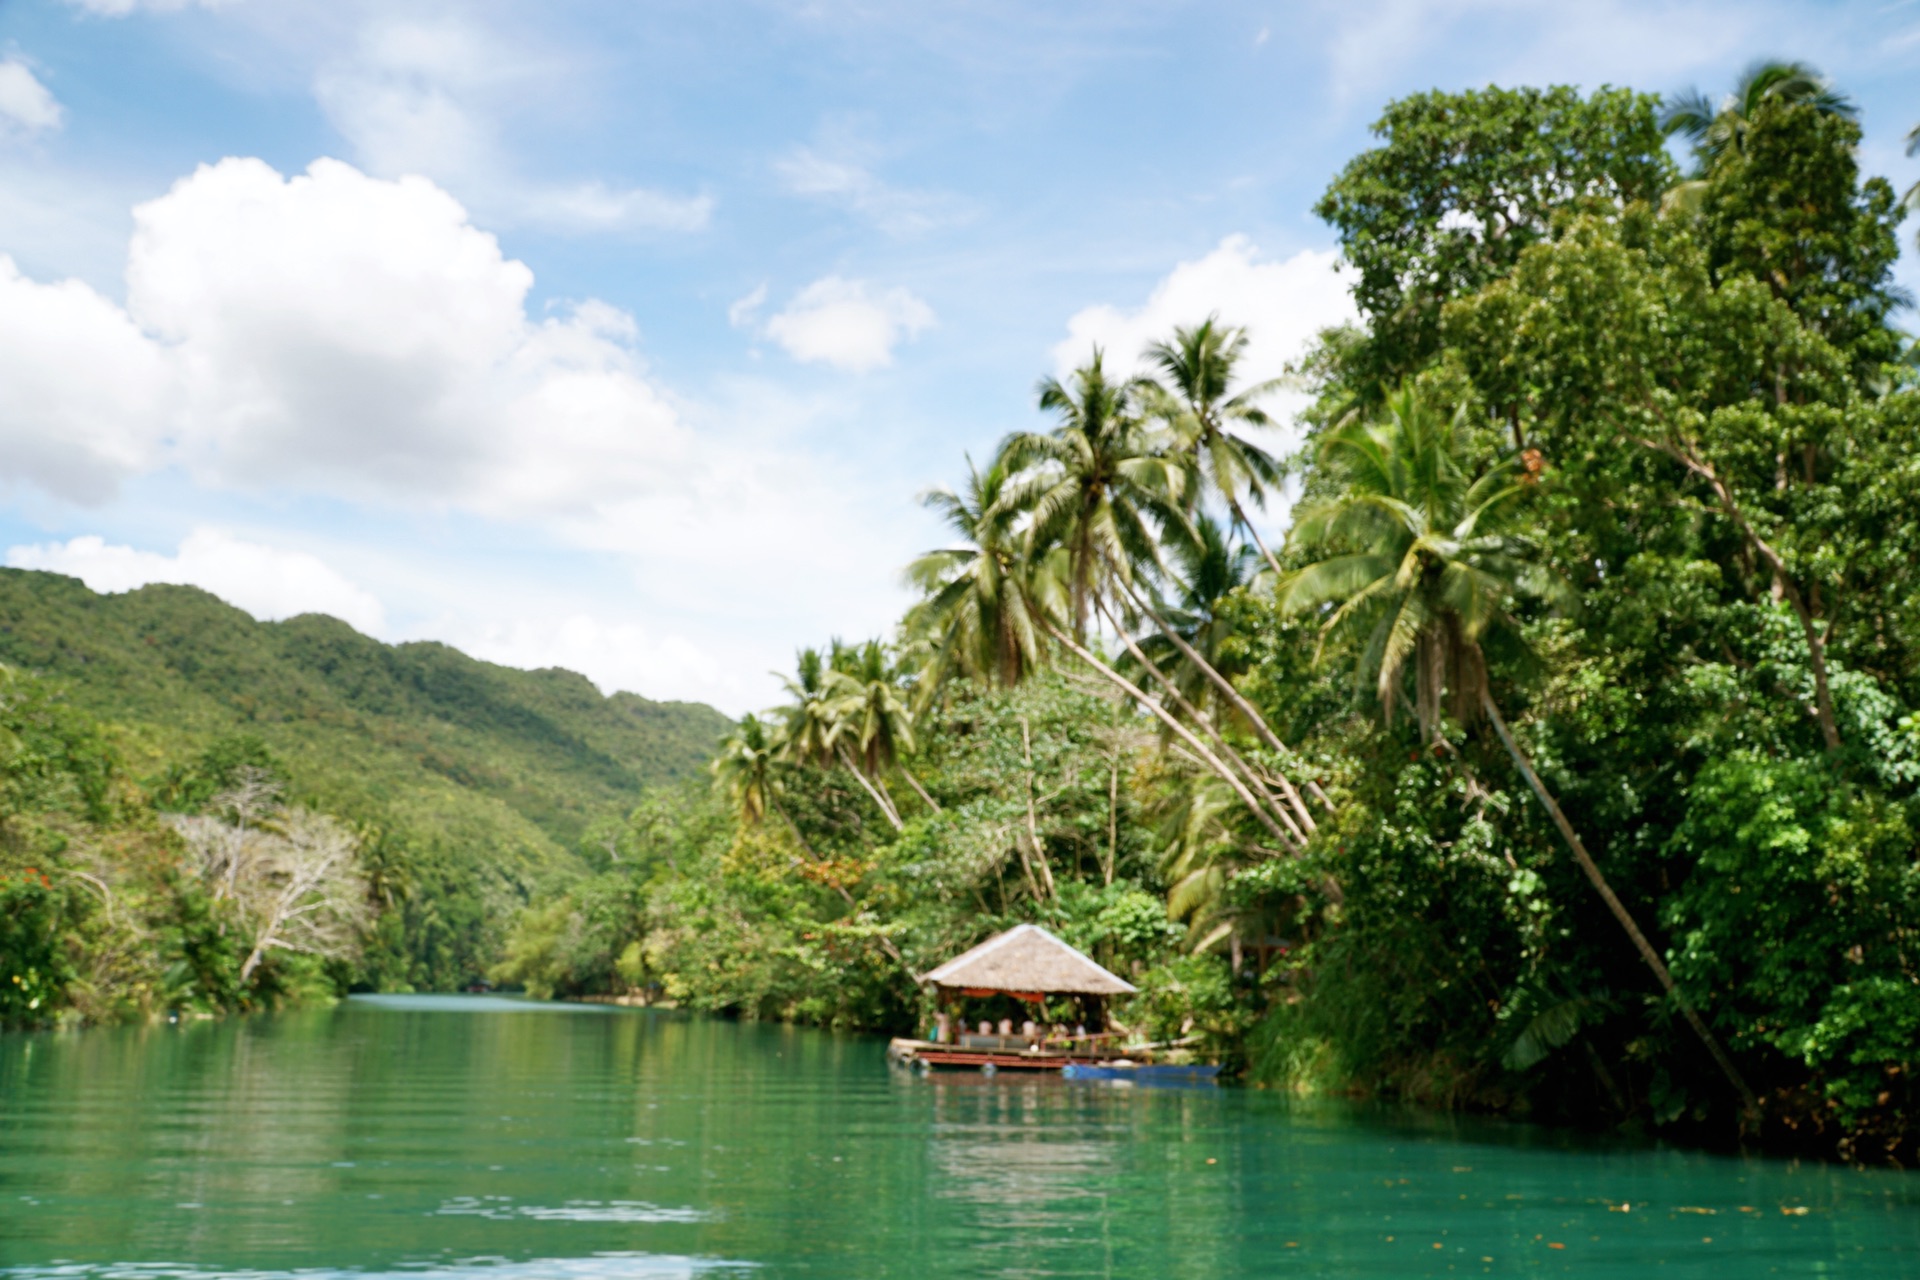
point(486, 781)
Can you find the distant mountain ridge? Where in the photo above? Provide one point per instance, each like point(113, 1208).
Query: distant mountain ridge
point(500, 774)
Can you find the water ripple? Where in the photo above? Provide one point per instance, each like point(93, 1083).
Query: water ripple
point(503, 1209)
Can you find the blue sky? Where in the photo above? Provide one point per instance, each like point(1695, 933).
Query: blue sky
point(620, 336)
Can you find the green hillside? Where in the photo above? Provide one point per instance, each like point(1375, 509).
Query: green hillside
point(482, 782)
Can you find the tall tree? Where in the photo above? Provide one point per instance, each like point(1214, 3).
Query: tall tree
point(1194, 394)
point(871, 716)
point(743, 768)
point(1717, 129)
point(1460, 185)
point(812, 732)
point(1782, 201)
point(1418, 565)
point(975, 612)
point(1206, 571)
point(1101, 485)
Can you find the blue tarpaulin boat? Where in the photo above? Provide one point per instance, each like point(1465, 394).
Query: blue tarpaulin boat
point(1145, 1073)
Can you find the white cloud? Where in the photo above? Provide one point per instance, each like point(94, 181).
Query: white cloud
point(741, 311)
point(421, 98)
point(267, 582)
point(336, 334)
point(589, 206)
point(83, 393)
point(339, 333)
point(1282, 305)
point(841, 178)
point(357, 339)
point(615, 656)
point(848, 323)
point(26, 105)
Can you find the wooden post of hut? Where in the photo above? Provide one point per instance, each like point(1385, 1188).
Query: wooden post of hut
point(1028, 964)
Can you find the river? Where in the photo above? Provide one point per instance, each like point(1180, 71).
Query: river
point(475, 1138)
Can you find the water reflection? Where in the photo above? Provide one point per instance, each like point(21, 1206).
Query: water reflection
point(459, 1139)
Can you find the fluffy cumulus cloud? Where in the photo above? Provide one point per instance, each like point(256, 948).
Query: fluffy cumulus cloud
point(1281, 304)
point(26, 105)
point(83, 392)
point(359, 340)
point(330, 332)
point(849, 324)
point(267, 582)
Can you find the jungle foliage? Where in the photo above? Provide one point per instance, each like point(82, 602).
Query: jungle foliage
point(1564, 758)
point(462, 787)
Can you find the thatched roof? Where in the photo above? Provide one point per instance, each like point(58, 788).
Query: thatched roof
point(1028, 958)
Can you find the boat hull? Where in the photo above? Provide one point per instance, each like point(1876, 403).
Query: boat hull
point(926, 1053)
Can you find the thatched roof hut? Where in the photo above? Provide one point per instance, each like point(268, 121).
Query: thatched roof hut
point(1027, 961)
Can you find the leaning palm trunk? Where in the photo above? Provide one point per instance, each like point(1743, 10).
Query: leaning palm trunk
point(1619, 909)
point(1240, 517)
point(1233, 696)
point(918, 790)
point(1200, 749)
point(1253, 778)
point(880, 797)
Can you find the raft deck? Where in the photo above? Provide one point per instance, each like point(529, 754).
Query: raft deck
point(1008, 1054)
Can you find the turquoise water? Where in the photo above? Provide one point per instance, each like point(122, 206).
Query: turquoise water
point(488, 1139)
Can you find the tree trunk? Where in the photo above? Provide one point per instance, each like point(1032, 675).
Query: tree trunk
point(879, 797)
point(918, 790)
point(1199, 748)
point(1033, 819)
point(1113, 816)
point(1233, 695)
point(1749, 1103)
point(1816, 647)
point(1200, 718)
point(1240, 518)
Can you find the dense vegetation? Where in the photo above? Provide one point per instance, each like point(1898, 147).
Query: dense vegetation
point(205, 812)
point(1564, 758)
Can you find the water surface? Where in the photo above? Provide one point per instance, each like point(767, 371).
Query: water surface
point(452, 1138)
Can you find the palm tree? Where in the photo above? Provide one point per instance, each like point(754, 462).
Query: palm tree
point(975, 610)
point(1199, 855)
point(812, 732)
point(870, 714)
point(1912, 198)
point(1101, 484)
point(1183, 658)
point(1192, 397)
point(1717, 130)
point(1102, 488)
point(1418, 567)
point(743, 769)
